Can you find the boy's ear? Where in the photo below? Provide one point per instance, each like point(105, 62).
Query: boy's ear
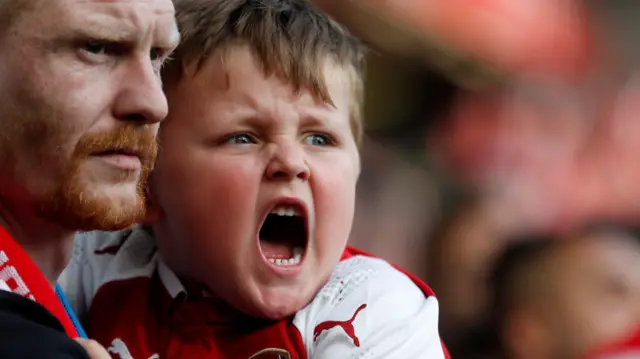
point(154, 212)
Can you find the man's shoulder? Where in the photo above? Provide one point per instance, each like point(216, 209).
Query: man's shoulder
point(19, 308)
point(23, 322)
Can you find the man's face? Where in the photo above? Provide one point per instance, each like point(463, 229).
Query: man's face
point(596, 296)
point(82, 98)
point(256, 182)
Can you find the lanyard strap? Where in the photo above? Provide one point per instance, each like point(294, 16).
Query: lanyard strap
point(21, 275)
point(70, 313)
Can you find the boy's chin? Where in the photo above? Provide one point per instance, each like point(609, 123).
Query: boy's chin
point(279, 303)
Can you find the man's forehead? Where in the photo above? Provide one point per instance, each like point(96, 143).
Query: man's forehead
point(137, 10)
point(154, 17)
point(161, 4)
point(158, 7)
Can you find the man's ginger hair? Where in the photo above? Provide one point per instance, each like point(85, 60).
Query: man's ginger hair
point(290, 38)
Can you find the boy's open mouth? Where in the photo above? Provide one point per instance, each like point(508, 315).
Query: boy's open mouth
point(283, 235)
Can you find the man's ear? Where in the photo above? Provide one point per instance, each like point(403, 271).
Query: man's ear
point(154, 213)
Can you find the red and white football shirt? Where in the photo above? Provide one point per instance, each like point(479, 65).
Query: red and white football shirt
point(138, 308)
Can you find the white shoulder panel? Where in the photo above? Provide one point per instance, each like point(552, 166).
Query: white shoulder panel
point(368, 309)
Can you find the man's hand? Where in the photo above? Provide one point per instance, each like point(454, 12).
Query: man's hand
point(93, 348)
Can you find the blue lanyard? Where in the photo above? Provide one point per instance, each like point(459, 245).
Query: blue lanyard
point(70, 313)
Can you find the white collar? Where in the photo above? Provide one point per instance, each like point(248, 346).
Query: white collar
point(170, 280)
point(172, 283)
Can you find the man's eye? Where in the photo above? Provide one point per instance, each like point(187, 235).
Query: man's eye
point(104, 48)
point(155, 54)
point(95, 47)
point(318, 140)
point(240, 139)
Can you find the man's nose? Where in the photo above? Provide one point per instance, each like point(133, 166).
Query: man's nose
point(287, 163)
point(141, 98)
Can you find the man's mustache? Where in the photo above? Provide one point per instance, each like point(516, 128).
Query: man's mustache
point(126, 140)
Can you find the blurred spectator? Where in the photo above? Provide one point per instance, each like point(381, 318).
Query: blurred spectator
point(627, 348)
point(560, 297)
point(475, 40)
point(464, 246)
point(573, 146)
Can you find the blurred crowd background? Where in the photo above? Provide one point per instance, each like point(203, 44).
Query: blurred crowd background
point(501, 165)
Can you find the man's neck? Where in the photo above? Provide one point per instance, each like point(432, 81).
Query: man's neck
point(48, 245)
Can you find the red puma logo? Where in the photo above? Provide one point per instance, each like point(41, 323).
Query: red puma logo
point(347, 326)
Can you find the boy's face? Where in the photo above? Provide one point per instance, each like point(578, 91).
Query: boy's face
point(255, 184)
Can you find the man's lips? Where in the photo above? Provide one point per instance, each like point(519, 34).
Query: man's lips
point(124, 159)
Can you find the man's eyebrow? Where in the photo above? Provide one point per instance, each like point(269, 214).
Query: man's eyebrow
point(105, 30)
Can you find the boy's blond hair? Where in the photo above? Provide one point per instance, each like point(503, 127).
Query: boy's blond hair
point(290, 38)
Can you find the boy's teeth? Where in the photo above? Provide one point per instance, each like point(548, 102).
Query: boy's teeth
point(297, 257)
point(288, 211)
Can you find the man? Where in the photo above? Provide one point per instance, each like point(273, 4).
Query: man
point(566, 297)
point(82, 100)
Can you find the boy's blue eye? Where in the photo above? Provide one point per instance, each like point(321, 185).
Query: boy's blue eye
point(240, 139)
point(318, 140)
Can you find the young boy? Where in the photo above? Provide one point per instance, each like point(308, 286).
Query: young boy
point(250, 206)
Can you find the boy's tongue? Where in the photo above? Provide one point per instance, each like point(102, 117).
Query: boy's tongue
point(276, 250)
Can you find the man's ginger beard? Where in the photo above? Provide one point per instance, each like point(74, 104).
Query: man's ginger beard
point(76, 206)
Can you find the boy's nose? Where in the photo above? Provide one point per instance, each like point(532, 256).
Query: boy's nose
point(288, 163)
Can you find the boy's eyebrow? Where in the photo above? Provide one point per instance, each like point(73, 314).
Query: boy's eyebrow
point(324, 116)
point(253, 120)
point(314, 119)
